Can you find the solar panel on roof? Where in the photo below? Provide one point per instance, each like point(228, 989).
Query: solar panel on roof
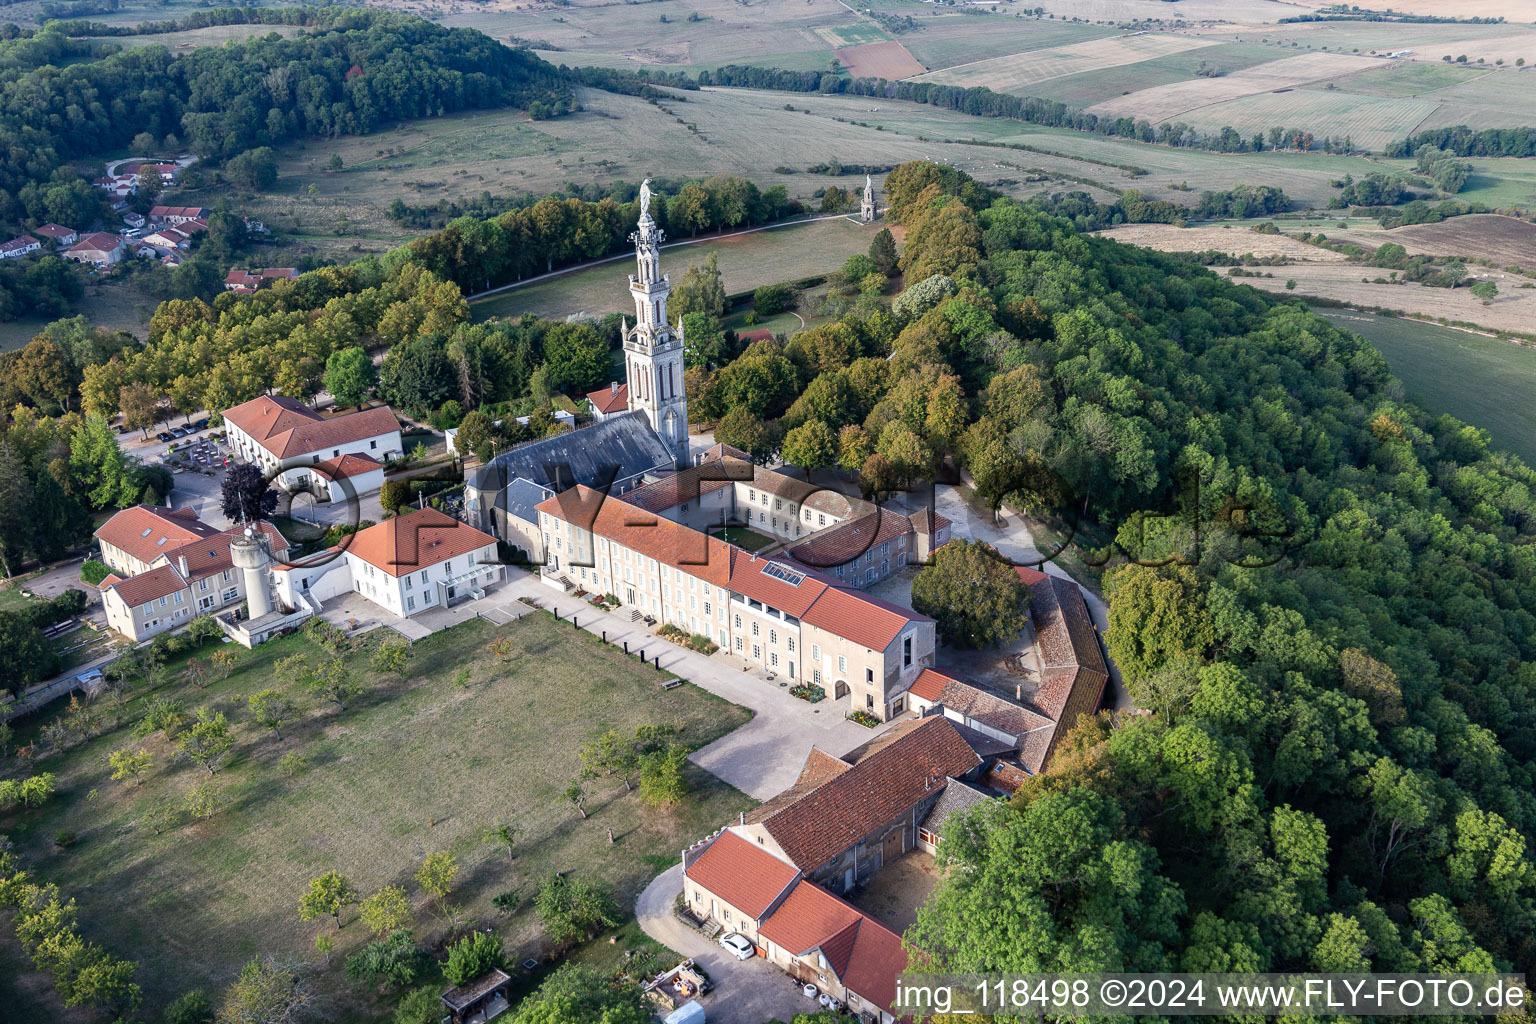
point(782, 572)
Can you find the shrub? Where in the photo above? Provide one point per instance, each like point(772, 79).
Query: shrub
point(93, 572)
point(64, 839)
point(420, 1006)
point(772, 298)
point(394, 961)
point(810, 694)
point(472, 956)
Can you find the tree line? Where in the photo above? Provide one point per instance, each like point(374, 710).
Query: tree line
point(1464, 141)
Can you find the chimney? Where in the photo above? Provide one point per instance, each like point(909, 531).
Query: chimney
point(182, 561)
point(613, 387)
point(1018, 692)
point(743, 817)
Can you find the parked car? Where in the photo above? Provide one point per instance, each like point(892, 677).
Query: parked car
point(180, 431)
point(122, 428)
point(201, 424)
point(164, 436)
point(738, 945)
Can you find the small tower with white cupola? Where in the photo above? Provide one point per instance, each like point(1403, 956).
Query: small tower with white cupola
point(653, 350)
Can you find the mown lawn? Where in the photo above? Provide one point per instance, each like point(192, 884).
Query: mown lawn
point(415, 765)
point(742, 537)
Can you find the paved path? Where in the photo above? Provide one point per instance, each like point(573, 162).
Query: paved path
point(762, 757)
point(746, 991)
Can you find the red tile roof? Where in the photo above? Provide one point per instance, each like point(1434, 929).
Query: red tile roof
point(418, 539)
point(210, 556)
point(865, 620)
point(925, 520)
point(55, 231)
point(879, 788)
point(287, 427)
point(189, 212)
point(1073, 673)
point(671, 492)
point(149, 531)
point(742, 874)
point(161, 581)
point(977, 704)
point(721, 450)
point(98, 241)
point(840, 544)
point(613, 398)
point(866, 955)
point(348, 465)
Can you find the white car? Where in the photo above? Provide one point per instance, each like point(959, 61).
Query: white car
point(738, 945)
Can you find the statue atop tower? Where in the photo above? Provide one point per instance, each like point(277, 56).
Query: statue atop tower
point(653, 350)
point(867, 204)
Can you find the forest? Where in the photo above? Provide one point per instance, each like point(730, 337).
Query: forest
point(1318, 590)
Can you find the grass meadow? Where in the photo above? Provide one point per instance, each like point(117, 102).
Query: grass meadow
point(746, 261)
point(417, 764)
point(1480, 380)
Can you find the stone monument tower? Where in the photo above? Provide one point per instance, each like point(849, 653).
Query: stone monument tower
point(867, 204)
point(249, 554)
point(653, 351)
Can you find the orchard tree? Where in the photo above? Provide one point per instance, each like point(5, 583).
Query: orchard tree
point(334, 682)
point(573, 908)
point(503, 833)
point(662, 782)
point(385, 911)
point(436, 875)
point(206, 740)
point(129, 764)
point(391, 658)
point(328, 894)
point(576, 795)
point(973, 594)
point(576, 994)
point(272, 708)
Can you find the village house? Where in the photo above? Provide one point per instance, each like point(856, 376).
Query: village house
point(99, 248)
point(406, 565)
point(246, 281)
point(769, 612)
point(609, 401)
point(118, 186)
point(169, 566)
point(174, 215)
point(19, 246)
point(58, 235)
point(281, 433)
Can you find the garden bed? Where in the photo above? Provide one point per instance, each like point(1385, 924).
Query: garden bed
point(810, 694)
point(864, 718)
point(693, 641)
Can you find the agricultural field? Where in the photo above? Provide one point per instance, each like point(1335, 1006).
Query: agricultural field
point(415, 765)
point(1090, 87)
point(1475, 378)
point(1170, 102)
point(1514, 310)
point(1412, 78)
point(1016, 72)
point(746, 261)
point(1371, 122)
point(889, 60)
point(214, 35)
point(1507, 241)
point(946, 40)
point(1235, 241)
point(860, 34)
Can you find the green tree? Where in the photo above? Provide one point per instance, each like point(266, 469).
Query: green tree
point(385, 911)
point(882, 249)
point(191, 1007)
point(503, 833)
point(395, 495)
point(271, 708)
point(129, 764)
point(349, 375)
point(99, 468)
point(420, 1006)
point(437, 873)
point(327, 894)
point(700, 291)
point(395, 961)
point(391, 658)
point(742, 429)
point(472, 956)
point(662, 779)
point(1485, 290)
point(571, 908)
point(811, 446)
point(475, 436)
point(334, 682)
point(1156, 616)
point(255, 168)
point(973, 594)
point(206, 740)
point(576, 994)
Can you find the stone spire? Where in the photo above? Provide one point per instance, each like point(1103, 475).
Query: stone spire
point(653, 351)
point(867, 204)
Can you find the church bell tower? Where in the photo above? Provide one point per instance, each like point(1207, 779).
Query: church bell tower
point(653, 350)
